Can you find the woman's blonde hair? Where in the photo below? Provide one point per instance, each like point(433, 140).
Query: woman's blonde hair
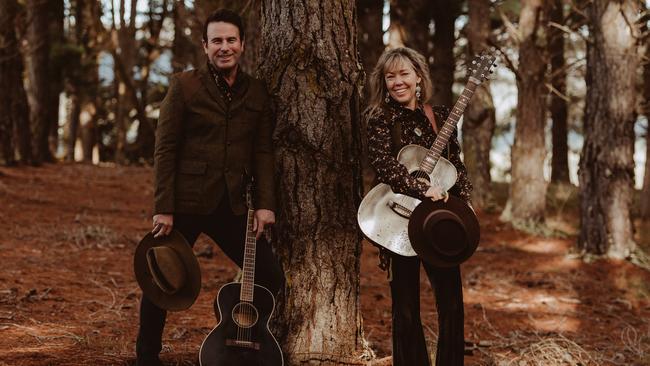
point(388, 61)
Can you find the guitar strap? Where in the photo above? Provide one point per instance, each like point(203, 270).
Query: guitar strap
point(432, 118)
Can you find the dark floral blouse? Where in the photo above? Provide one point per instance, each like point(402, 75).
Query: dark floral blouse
point(415, 129)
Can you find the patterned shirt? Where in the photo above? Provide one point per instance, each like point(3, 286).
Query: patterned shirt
point(415, 129)
point(222, 84)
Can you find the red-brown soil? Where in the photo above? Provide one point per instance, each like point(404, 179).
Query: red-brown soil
point(68, 295)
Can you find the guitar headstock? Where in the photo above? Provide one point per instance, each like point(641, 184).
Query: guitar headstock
point(481, 67)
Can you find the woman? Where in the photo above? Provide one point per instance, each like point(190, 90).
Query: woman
point(399, 87)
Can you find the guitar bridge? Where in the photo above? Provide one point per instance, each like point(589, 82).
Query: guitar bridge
point(245, 344)
point(400, 210)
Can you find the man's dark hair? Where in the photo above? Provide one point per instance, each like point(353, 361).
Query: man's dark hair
point(227, 16)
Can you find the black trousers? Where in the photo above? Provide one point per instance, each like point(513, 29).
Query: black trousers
point(409, 346)
point(228, 231)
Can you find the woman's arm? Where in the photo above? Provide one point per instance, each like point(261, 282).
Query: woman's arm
point(389, 170)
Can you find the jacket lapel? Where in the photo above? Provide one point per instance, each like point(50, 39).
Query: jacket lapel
point(211, 86)
point(239, 90)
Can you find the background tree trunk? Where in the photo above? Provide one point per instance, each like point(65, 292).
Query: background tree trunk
point(370, 34)
point(317, 155)
point(14, 111)
point(90, 62)
point(445, 13)
point(124, 61)
point(479, 121)
point(371, 46)
point(55, 70)
point(412, 19)
point(527, 200)
point(416, 21)
point(559, 160)
point(38, 51)
point(645, 192)
point(607, 165)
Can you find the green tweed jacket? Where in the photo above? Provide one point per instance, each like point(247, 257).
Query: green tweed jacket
point(204, 145)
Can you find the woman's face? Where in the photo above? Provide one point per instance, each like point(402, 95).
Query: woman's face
point(401, 81)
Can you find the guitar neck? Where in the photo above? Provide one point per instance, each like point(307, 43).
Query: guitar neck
point(248, 268)
point(432, 157)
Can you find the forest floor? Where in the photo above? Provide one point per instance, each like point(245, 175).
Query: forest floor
point(68, 295)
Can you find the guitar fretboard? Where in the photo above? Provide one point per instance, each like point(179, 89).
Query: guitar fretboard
point(248, 268)
point(432, 157)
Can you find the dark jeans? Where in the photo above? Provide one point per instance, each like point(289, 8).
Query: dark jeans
point(228, 231)
point(409, 347)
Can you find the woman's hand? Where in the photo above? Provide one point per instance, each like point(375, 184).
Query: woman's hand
point(437, 193)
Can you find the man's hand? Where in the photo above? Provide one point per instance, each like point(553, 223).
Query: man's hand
point(437, 193)
point(162, 225)
point(262, 218)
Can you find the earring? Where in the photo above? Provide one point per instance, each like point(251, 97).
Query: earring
point(417, 91)
point(387, 99)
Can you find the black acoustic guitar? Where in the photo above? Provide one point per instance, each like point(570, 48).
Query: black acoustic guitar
point(242, 336)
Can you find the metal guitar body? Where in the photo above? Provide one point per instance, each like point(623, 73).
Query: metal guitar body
point(383, 215)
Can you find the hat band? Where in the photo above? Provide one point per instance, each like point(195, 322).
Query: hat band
point(157, 275)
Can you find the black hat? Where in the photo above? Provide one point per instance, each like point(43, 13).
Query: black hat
point(444, 234)
point(167, 271)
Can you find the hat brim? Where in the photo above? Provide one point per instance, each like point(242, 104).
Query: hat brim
point(422, 243)
point(185, 296)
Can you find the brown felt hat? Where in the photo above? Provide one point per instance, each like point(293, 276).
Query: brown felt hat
point(444, 234)
point(167, 271)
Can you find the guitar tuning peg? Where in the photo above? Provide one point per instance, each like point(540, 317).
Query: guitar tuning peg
point(473, 62)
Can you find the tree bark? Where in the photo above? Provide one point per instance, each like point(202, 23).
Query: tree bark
point(317, 157)
point(607, 166)
point(527, 201)
point(559, 160)
point(479, 121)
point(38, 51)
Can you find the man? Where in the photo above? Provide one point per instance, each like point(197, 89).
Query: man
point(214, 129)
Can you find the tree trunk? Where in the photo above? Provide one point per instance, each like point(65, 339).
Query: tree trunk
point(317, 155)
point(371, 45)
point(87, 120)
point(607, 165)
point(412, 19)
point(38, 51)
point(370, 34)
point(74, 109)
point(559, 160)
point(252, 17)
point(479, 121)
point(124, 61)
point(527, 201)
point(55, 70)
point(9, 54)
point(645, 192)
point(445, 13)
point(182, 46)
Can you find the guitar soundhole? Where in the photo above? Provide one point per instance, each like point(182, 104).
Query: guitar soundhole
point(244, 315)
point(421, 176)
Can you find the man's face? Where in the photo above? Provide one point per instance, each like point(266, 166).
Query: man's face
point(224, 45)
